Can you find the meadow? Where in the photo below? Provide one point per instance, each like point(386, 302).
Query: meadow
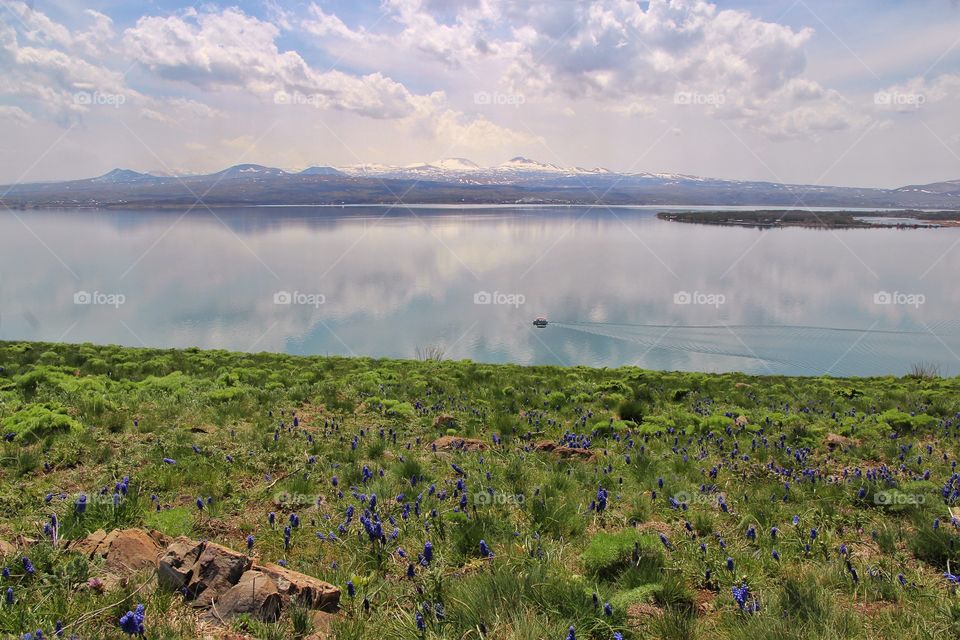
point(451, 499)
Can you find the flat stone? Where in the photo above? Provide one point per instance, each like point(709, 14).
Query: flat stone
point(310, 591)
point(255, 594)
point(129, 550)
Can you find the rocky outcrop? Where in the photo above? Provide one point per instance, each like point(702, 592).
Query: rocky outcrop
point(835, 441)
point(213, 577)
point(566, 453)
point(311, 592)
point(456, 443)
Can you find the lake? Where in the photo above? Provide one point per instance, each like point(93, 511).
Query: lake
point(618, 286)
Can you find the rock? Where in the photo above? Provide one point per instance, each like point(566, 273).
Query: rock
point(565, 452)
point(456, 443)
point(125, 550)
point(87, 546)
point(255, 593)
point(835, 441)
point(216, 570)
point(308, 590)
point(129, 550)
point(175, 567)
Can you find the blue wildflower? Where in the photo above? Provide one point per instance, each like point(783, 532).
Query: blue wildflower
point(131, 622)
point(485, 550)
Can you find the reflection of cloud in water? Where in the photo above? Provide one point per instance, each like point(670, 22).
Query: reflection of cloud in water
point(396, 282)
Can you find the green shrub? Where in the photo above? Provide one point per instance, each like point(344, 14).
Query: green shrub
point(38, 421)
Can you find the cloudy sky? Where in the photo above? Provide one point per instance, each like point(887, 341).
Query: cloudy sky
point(859, 92)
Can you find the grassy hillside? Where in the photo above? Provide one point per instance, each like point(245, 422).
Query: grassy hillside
point(712, 506)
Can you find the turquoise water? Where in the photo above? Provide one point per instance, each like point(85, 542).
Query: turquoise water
point(619, 287)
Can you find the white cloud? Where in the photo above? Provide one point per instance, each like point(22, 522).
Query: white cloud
point(230, 49)
point(15, 115)
point(918, 92)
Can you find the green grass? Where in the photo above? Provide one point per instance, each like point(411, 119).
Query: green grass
point(81, 418)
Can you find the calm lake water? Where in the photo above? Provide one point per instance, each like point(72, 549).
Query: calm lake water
point(619, 287)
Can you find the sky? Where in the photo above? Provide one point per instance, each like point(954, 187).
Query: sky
point(852, 93)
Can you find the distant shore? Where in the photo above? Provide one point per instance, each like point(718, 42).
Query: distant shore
point(769, 219)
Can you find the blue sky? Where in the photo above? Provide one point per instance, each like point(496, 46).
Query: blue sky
point(855, 93)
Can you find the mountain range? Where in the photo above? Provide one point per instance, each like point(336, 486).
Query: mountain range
point(454, 181)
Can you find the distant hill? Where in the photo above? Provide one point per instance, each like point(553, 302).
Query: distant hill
point(519, 180)
point(950, 187)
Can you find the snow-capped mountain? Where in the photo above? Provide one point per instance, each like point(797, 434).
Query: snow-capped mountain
point(461, 170)
point(458, 180)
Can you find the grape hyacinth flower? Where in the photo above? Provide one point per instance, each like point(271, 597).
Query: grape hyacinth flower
point(485, 550)
point(427, 552)
point(28, 566)
point(131, 622)
point(250, 541)
point(351, 589)
point(741, 594)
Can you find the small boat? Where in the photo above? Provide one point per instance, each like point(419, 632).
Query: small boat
point(540, 322)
